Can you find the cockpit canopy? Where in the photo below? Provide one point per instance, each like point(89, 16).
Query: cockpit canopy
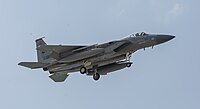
point(138, 34)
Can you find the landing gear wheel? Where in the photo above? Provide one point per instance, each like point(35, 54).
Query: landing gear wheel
point(45, 69)
point(96, 76)
point(129, 65)
point(83, 70)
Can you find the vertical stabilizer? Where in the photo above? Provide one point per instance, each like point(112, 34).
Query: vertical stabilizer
point(42, 56)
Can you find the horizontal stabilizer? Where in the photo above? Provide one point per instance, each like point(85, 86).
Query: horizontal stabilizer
point(58, 77)
point(33, 65)
point(57, 48)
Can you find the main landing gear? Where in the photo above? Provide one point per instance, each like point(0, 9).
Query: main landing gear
point(83, 70)
point(96, 76)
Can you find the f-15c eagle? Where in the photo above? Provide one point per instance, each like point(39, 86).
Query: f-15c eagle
point(93, 60)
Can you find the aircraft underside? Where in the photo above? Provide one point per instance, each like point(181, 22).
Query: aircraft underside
point(94, 66)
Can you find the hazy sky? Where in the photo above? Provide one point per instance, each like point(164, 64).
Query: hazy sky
point(166, 77)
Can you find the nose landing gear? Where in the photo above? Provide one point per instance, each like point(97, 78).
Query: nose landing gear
point(129, 65)
point(128, 56)
point(128, 59)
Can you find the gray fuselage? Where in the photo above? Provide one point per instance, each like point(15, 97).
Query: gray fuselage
point(107, 53)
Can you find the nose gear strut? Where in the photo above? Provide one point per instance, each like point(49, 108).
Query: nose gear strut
point(128, 56)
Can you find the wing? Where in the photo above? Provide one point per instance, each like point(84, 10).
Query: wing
point(33, 65)
point(59, 77)
point(57, 48)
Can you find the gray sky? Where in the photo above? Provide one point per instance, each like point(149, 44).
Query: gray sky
point(166, 77)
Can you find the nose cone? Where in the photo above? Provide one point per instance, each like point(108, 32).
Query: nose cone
point(163, 38)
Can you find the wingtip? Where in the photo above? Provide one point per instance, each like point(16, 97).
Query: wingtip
point(39, 39)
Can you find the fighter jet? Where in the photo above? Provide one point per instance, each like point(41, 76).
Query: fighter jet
point(94, 60)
